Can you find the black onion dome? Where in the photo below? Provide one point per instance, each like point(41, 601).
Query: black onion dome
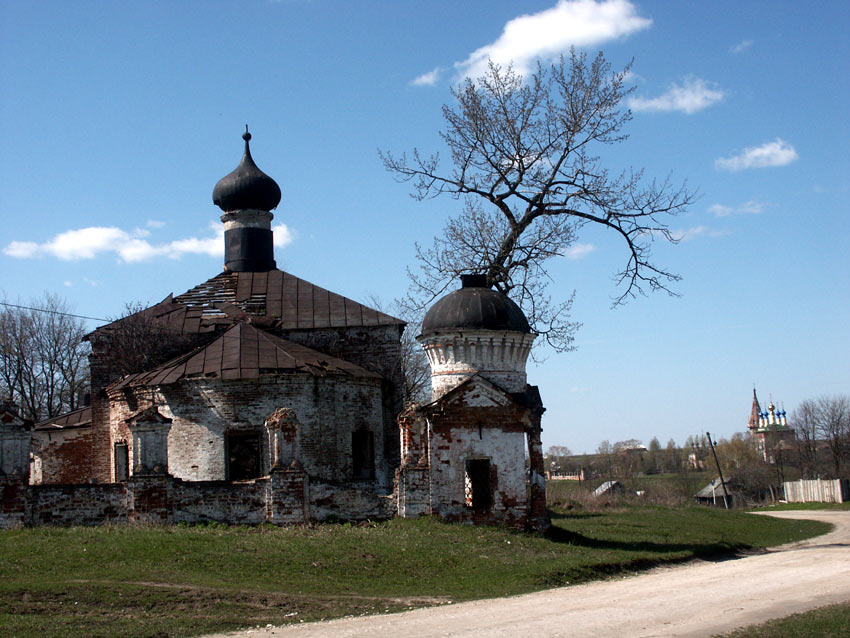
point(247, 186)
point(475, 307)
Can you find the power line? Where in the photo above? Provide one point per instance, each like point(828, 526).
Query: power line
point(52, 312)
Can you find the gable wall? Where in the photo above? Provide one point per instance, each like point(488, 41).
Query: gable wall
point(457, 437)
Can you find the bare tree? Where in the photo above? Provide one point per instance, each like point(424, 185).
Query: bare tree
point(745, 468)
point(140, 340)
point(605, 455)
point(804, 421)
point(524, 162)
point(672, 459)
point(43, 360)
point(558, 451)
point(833, 422)
point(415, 368)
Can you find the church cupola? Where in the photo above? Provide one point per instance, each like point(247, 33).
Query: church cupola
point(247, 196)
point(476, 330)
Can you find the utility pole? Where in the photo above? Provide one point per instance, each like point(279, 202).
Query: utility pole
point(717, 463)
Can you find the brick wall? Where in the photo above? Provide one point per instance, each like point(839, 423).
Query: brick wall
point(14, 502)
point(77, 504)
point(376, 348)
point(62, 456)
point(203, 411)
point(284, 497)
point(476, 421)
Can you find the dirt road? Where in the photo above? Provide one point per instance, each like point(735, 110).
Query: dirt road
point(697, 599)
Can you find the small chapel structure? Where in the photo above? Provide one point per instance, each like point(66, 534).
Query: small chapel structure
point(473, 453)
point(281, 402)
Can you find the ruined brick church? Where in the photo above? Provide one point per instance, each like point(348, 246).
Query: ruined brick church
point(286, 406)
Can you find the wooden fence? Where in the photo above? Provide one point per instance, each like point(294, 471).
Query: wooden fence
point(818, 491)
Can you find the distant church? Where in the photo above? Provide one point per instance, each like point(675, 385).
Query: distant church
point(285, 405)
point(770, 431)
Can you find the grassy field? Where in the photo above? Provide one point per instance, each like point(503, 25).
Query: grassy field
point(184, 581)
point(826, 622)
point(806, 506)
point(659, 489)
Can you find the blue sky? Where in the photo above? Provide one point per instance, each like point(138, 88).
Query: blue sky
point(117, 119)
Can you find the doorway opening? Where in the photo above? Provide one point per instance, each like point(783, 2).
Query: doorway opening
point(477, 485)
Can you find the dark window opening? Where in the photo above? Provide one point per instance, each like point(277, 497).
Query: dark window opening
point(243, 456)
point(477, 485)
point(363, 454)
point(122, 462)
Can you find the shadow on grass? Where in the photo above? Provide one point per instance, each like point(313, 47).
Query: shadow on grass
point(664, 554)
point(560, 535)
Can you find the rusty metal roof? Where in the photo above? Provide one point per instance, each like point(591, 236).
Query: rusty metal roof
point(244, 352)
point(76, 419)
point(275, 298)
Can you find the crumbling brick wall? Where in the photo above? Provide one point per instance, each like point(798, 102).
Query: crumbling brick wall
point(62, 456)
point(286, 496)
point(475, 425)
point(78, 504)
point(376, 348)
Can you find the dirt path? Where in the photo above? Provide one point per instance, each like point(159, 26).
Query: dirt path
point(697, 599)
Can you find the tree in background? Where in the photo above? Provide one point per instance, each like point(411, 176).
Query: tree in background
point(744, 467)
point(140, 339)
point(526, 164)
point(604, 459)
point(652, 461)
point(834, 427)
point(804, 421)
point(672, 458)
point(43, 359)
point(556, 459)
point(826, 419)
point(416, 371)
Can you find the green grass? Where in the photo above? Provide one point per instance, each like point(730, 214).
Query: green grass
point(183, 581)
point(659, 489)
point(826, 622)
point(805, 506)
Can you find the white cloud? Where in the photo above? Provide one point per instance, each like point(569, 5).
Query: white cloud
point(697, 231)
point(68, 284)
point(283, 236)
point(85, 243)
point(719, 210)
point(693, 95)
point(751, 207)
point(742, 46)
point(579, 251)
point(776, 153)
point(130, 247)
point(21, 249)
point(553, 31)
point(154, 223)
point(427, 79)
